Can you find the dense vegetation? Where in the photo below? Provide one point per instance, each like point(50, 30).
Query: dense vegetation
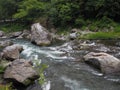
point(96, 15)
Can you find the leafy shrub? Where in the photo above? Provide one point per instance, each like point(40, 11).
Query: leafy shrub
point(12, 27)
point(117, 28)
point(40, 68)
point(79, 22)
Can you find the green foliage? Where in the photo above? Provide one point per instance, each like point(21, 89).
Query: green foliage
point(29, 10)
point(6, 87)
point(7, 8)
point(12, 27)
point(103, 24)
point(117, 28)
point(62, 13)
point(40, 68)
point(79, 22)
point(42, 77)
point(2, 69)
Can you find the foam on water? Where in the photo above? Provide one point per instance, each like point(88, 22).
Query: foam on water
point(73, 84)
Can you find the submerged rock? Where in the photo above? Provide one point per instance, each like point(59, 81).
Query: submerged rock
point(108, 64)
point(21, 71)
point(12, 52)
point(39, 35)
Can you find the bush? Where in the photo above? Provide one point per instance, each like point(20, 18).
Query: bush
point(79, 22)
point(12, 27)
point(117, 28)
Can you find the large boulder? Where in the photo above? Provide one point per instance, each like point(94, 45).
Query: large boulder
point(39, 35)
point(108, 64)
point(12, 52)
point(21, 71)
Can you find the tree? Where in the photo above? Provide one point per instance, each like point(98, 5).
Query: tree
point(29, 10)
point(7, 8)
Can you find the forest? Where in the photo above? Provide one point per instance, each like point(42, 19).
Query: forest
point(97, 15)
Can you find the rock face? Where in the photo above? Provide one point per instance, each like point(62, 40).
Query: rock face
point(21, 71)
point(39, 35)
point(12, 52)
point(108, 64)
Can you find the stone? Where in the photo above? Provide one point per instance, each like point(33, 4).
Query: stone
point(106, 63)
point(6, 43)
point(39, 35)
point(21, 71)
point(73, 34)
point(12, 52)
point(2, 33)
point(14, 34)
point(25, 34)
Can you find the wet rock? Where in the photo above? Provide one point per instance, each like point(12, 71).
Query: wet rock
point(59, 37)
point(73, 34)
point(5, 43)
point(14, 34)
point(103, 49)
point(21, 71)
point(39, 35)
point(25, 34)
point(108, 64)
point(35, 86)
point(2, 33)
point(12, 52)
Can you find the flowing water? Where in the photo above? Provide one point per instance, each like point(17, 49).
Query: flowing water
point(64, 71)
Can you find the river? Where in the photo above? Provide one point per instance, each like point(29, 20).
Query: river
point(64, 72)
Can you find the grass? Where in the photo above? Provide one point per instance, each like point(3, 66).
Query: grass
point(6, 87)
point(103, 35)
point(2, 69)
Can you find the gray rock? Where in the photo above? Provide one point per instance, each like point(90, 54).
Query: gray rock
point(25, 34)
point(14, 34)
point(21, 71)
point(73, 36)
point(39, 35)
point(12, 52)
point(5, 43)
point(108, 64)
point(2, 33)
point(35, 86)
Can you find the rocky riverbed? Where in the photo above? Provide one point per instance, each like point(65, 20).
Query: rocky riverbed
point(73, 64)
